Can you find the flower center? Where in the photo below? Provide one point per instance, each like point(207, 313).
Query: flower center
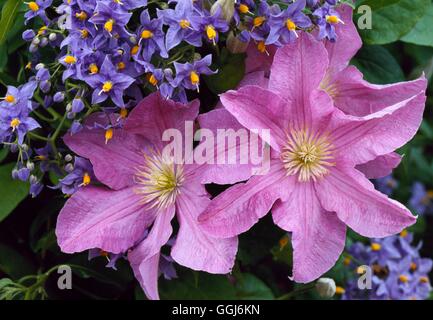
point(15, 123)
point(290, 25)
point(84, 33)
point(258, 21)
point(10, 98)
point(375, 246)
point(152, 80)
point(107, 86)
point(146, 34)
point(210, 32)
point(93, 68)
point(121, 66)
point(81, 15)
point(159, 180)
point(194, 77)
point(134, 50)
point(86, 180)
point(332, 19)
point(307, 155)
point(243, 8)
point(70, 59)
point(403, 278)
point(261, 46)
point(108, 26)
point(33, 6)
point(184, 23)
point(109, 134)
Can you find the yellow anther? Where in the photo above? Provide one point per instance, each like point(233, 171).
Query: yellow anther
point(375, 246)
point(403, 278)
point(424, 280)
point(194, 77)
point(108, 135)
point(10, 98)
point(103, 253)
point(42, 30)
point(339, 290)
point(210, 32)
point(347, 261)
point(123, 113)
point(28, 65)
point(93, 68)
point(413, 266)
point(403, 234)
point(84, 33)
point(121, 65)
point(15, 123)
point(108, 26)
point(134, 50)
point(184, 24)
point(290, 25)
point(81, 15)
point(146, 34)
point(152, 80)
point(258, 21)
point(107, 86)
point(243, 8)
point(261, 46)
point(332, 19)
point(70, 59)
point(86, 179)
point(33, 6)
point(283, 242)
point(430, 194)
point(360, 270)
point(41, 157)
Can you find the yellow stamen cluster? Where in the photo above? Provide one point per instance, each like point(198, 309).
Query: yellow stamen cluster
point(107, 86)
point(243, 8)
point(10, 98)
point(134, 50)
point(210, 32)
point(184, 24)
point(42, 30)
point(194, 77)
point(33, 6)
point(152, 80)
point(375, 246)
point(123, 113)
point(403, 234)
point(159, 180)
point(146, 34)
point(308, 155)
point(347, 261)
point(413, 266)
point(121, 66)
point(70, 59)
point(108, 26)
point(332, 19)
point(339, 290)
point(15, 123)
point(86, 180)
point(81, 15)
point(290, 25)
point(84, 33)
point(403, 278)
point(424, 279)
point(93, 68)
point(258, 21)
point(261, 46)
point(109, 135)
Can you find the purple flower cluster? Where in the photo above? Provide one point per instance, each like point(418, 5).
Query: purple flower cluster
point(398, 270)
point(421, 200)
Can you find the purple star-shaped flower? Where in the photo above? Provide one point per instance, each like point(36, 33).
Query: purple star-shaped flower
point(37, 9)
point(151, 37)
point(188, 74)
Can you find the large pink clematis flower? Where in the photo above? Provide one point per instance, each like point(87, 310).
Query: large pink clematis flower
point(346, 86)
point(314, 188)
point(143, 190)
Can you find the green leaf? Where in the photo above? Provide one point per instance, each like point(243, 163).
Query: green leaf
point(3, 154)
point(392, 19)
point(9, 12)
point(378, 65)
point(422, 33)
point(252, 288)
point(13, 263)
point(13, 191)
point(230, 72)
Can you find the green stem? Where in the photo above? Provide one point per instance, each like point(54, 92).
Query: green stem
point(293, 293)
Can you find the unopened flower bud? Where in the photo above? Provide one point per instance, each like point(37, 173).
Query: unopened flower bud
point(33, 179)
point(44, 42)
point(326, 287)
point(69, 167)
point(69, 107)
point(36, 41)
point(28, 35)
point(68, 158)
point(59, 97)
point(234, 45)
point(24, 147)
point(196, 56)
point(52, 37)
point(133, 39)
point(33, 48)
point(227, 9)
point(39, 66)
point(30, 165)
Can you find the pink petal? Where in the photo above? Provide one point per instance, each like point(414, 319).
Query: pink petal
point(367, 211)
point(154, 114)
point(348, 42)
point(258, 61)
point(297, 70)
point(159, 234)
point(258, 108)
point(195, 249)
point(318, 236)
point(359, 140)
point(381, 166)
point(96, 217)
point(232, 171)
point(238, 208)
point(114, 162)
point(146, 271)
point(357, 97)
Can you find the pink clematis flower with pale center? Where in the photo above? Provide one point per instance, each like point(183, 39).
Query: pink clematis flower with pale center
point(314, 187)
point(143, 188)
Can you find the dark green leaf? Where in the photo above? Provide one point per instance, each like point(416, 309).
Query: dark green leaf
point(13, 191)
point(422, 32)
point(14, 263)
point(9, 12)
point(252, 288)
point(378, 65)
point(392, 19)
point(3, 154)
